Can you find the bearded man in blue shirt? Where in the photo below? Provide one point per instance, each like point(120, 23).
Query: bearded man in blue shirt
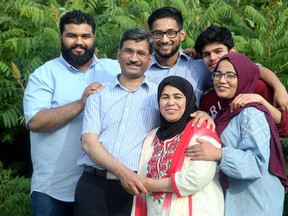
point(54, 99)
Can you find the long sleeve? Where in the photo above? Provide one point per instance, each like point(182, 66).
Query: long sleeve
point(246, 140)
point(195, 175)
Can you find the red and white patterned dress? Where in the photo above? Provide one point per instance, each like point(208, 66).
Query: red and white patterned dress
point(196, 186)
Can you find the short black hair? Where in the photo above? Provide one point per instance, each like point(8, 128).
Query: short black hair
point(137, 34)
point(166, 12)
point(214, 34)
point(77, 17)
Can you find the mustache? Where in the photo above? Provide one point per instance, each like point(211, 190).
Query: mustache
point(167, 43)
point(79, 46)
point(137, 63)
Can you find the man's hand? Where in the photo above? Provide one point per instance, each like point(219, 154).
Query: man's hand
point(90, 89)
point(192, 53)
point(131, 182)
point(203, 151)
point(280, 99)
point(242, 99)
point(200, 117)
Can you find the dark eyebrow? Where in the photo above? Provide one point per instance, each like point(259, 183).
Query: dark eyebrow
point(178, 94)
point(217, 49)
point(83, 35)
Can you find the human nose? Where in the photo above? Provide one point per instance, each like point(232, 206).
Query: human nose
point(170, 102)
point(222, 78)
point(133, 57)
point(165, 38)
point(213, 56)
point(79, 40)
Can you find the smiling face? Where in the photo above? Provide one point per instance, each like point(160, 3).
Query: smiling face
point(167, 47)
point(225, 89)
point(172, 103)
point(134, 58)
point(77, 45)
point(211, 53)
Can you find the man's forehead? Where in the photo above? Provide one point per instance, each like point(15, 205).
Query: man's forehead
point(137, 45)
point(83, 27)
point(214, 47)
point(164, 24)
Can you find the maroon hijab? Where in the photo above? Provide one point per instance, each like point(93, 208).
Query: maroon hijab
point(248, 75)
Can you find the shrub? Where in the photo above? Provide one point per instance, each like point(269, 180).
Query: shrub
point(14, 194)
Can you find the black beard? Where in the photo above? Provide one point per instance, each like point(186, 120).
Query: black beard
point(77, 60)
point(168, 55)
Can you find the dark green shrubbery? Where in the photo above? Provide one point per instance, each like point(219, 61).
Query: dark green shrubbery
point(14, 194)
point(29, 37)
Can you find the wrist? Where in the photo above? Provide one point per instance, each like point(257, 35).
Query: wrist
point(219, 155)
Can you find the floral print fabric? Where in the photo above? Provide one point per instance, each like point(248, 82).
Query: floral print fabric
point(160, 161)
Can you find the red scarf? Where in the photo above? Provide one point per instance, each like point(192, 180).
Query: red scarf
point(176, 164)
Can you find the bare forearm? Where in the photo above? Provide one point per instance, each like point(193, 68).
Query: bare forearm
point(100, 155)
point(46, 120)
point(158, 185)
point(276, 114)
point(270, 78)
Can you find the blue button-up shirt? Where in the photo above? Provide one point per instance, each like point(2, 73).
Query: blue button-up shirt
point(122, 118)
point(191, 69)
point(55, 153)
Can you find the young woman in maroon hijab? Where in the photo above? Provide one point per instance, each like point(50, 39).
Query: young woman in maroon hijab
point(177, 185)
point(251, 156)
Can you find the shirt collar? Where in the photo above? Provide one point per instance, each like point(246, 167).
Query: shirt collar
point(146, 84)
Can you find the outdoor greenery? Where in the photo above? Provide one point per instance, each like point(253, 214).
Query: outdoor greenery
point(29, 37)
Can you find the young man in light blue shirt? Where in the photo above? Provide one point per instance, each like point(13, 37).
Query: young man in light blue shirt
point(166, 27)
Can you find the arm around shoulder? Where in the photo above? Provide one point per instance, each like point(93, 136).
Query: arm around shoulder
point(196, 174)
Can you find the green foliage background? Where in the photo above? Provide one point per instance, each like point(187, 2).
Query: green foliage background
point(29, 37)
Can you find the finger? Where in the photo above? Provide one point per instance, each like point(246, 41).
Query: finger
point(211, 124)
point(192, 115)
point(136, 191)
point(200, 121)
point(195, 156)
point(195, 121)
point(141, 188)
point(193, 149)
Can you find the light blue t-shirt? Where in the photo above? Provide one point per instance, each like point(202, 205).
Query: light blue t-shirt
point(122, 118)
point(252, 190)
point(55, 153)
point(191, 69)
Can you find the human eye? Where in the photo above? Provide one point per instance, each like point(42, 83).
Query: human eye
point(205, 55)
point(171, 33)
point(218, 51)
point(141, 54)
point(217, 74)
point(69, 35)
point(127, 51)
point(230, 75)
point(178, 97)
point(86, 36)
point(157, 34)
point(164, 97)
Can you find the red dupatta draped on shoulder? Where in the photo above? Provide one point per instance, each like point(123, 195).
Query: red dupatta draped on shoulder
point(168, 130)
point(179, 156)
point(176, 164)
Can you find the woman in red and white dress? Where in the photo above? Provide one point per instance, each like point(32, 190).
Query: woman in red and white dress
point(176, 184)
